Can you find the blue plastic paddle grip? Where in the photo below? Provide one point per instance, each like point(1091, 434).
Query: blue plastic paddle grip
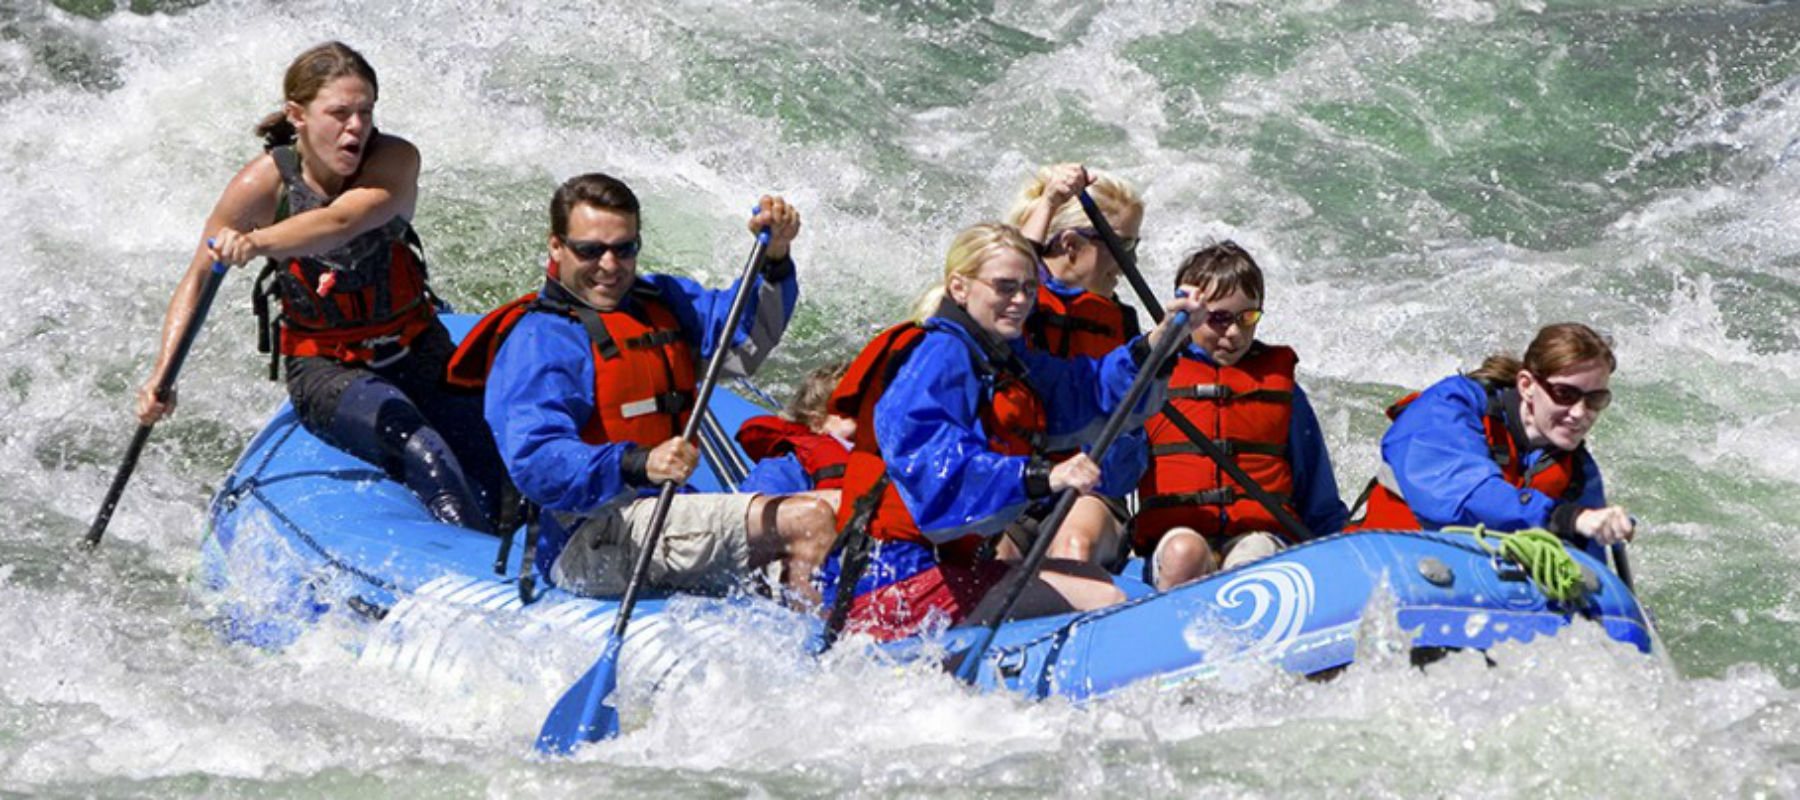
point(762, 235)
point(218, 267)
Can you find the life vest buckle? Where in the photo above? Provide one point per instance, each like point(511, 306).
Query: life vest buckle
point(385, 350)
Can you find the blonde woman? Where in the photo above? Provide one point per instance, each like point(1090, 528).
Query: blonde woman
point(1078, 314)
point(951, 411)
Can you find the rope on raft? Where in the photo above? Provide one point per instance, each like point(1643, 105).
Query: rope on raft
point(1541, 554)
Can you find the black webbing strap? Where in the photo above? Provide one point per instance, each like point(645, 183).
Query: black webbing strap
point(596, 330)
point(1230, 447)
point(1296, 528)
point(855, 542)
point(1219, 391)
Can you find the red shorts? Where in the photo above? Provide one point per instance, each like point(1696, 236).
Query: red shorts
point(943, 592)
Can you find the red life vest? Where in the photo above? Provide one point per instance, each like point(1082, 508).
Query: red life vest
point(362, 302)
point(1557, 476)
point(644, 382)
point(822, 457)
point(1246, 409)
point(1013, 417)
point(1085, 324)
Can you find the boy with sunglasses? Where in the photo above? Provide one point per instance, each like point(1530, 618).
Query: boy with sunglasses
point(1239, 395)
point(589, 383)
point(1505, 446)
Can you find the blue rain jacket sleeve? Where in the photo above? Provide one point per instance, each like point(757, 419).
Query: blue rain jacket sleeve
point(1315, 485)
point(541, 389)
point(928, 426)
point(1439, 454)
point(539, 393)
point(782, 474)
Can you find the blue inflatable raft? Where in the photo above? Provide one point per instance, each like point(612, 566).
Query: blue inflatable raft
point(301, 532)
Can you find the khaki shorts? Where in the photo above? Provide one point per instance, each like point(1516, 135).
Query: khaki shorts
point(704, 546)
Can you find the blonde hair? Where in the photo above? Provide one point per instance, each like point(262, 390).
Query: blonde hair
point(968, 251)
point(1114, 196)
point(809, 404)
point(1555, 348)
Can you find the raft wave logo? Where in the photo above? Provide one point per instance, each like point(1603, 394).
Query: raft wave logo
point(1280, 593)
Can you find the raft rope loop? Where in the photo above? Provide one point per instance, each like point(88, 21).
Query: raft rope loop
point(1541, 554)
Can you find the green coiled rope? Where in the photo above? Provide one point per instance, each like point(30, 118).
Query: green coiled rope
point(1541, 554)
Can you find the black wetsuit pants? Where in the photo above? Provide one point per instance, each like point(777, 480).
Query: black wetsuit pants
point(403, 417)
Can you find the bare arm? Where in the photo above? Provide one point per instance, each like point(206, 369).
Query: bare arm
point(387, 186)
point(1066, 181)
point(248, 201)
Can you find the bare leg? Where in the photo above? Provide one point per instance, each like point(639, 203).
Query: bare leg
point(797, 530)
point(1090, 533)
point(1181, 557)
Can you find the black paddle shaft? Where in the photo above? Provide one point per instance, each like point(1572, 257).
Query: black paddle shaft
point(714, 366)
point(1126, 261)
point(1013, 586)
point(208, 290)
point(1622, 565)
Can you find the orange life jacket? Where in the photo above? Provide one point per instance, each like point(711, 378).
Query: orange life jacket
point(1557, 475)
point(1246, 409)
point(364, 302)
point(1085, 324)
point(1013, 417)
point(822, 458)
point(644, 382)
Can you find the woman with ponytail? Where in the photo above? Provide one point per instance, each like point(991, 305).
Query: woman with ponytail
point(1505, 446)
point(329, 206)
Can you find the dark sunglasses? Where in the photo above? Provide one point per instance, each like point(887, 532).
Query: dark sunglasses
point(1221, 320)
point(592, 251)
point(1566, 395)
point(1129, 243)
point(1009, 288)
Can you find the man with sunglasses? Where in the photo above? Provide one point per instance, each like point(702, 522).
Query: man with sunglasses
point(1505, 446)
point(1232, 398)
point(591, 381)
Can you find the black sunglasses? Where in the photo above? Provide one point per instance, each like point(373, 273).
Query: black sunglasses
point(1564, 394)
point(1128, 243)
point(592, 251)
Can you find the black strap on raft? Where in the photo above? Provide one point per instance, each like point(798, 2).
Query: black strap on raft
point(855, 542)
point(517, 511)
point(1295, 527)
point(528, 559)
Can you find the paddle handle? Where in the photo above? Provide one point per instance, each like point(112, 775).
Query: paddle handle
point(714, 366)
point(1622, 565)
point(208, 290)
point(1126, 261)
point(1013, 586)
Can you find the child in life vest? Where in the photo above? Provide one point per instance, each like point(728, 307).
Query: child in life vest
point(1239, 394)
point(805, 447)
